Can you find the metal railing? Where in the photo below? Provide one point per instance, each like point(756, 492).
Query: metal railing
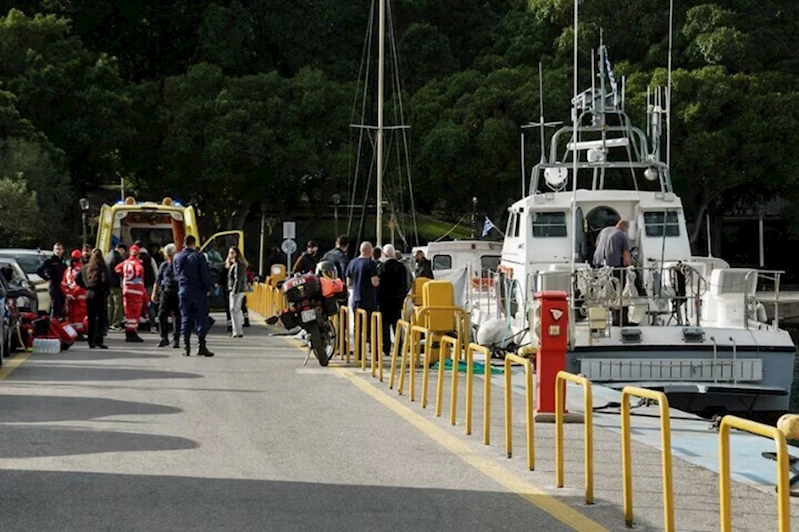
point(588, 407)
point(626, 450)
point(414, 354)
point(783, 490)
point(528, 390)
point(751, 301)
point(486, 391)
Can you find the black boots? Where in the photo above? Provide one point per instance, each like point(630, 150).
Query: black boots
point(133, 337)
point(203, 351)
point(164, 342)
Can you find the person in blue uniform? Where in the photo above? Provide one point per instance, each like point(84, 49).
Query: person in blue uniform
point(194, 290)
point(53, 270)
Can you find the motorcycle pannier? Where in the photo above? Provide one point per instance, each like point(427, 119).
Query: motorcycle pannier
point(303, 287)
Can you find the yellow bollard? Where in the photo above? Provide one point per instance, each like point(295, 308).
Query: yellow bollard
point(361, 334)
point(486, 394)
point(626, 447)
point(528, 374)
point(377, 342)
point(400, 338)
point(783, 488)
point(455, 349)
point(588, 407)
point(343, 332)
point(415, 352)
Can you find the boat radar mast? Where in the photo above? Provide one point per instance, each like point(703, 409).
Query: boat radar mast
point(605, 138)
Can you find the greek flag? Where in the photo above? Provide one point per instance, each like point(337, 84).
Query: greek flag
point(610, 71)
point(487, 226)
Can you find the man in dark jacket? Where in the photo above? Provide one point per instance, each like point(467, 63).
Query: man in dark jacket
point(53, 270)
point(115, 308)
point(338, 256)
point(391, 294)
point(194, 290)
point(306, 263)
point(166, 293)
point(424, 268)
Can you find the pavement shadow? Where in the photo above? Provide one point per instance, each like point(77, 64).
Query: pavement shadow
point(29, 441)
point(62, 373)
point(70, 501)
point(90, 355)
point(50, 408)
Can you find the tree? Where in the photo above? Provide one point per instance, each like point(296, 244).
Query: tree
point(76, 98)
point(19, 214)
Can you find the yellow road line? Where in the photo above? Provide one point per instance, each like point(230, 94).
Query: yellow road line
point(559, 510)
point(13, 364)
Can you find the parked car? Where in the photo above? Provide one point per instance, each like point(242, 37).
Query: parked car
point(29, 260)
point(8, 320)
point(20, 285)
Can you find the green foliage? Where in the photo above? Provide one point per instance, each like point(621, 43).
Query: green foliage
point(19, 214)
point(243, 105)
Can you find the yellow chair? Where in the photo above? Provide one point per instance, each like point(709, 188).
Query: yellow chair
point(436, 295)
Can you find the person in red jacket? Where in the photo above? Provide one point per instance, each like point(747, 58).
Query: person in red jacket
point(75, 294)
point(134, 293)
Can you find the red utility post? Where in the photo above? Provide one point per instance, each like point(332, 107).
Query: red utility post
point(551, 355)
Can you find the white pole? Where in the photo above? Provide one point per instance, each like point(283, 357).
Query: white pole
point(524, 170)
point(668, 96)
point(380, 89)
point(762, 243)
point(261, 249)
point(122, 188)
point(709, 238)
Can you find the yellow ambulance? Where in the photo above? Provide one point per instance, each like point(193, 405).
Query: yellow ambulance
point(158, 224)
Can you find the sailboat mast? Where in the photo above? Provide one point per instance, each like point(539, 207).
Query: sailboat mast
point(380, 90)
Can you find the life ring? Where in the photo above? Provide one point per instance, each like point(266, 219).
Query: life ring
point(483, 283)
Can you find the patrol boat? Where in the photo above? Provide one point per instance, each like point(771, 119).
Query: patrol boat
point(689, 326)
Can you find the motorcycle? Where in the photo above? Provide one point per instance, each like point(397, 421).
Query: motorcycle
point(312, 301)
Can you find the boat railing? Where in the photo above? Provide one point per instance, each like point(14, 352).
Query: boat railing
point(751, 299)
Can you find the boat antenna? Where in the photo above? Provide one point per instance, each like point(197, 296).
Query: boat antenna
point(668, 96)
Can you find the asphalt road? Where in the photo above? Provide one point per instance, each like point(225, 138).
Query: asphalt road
point(141, 438)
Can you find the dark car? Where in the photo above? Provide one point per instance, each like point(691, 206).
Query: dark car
point(21, 286)
point(9, 317)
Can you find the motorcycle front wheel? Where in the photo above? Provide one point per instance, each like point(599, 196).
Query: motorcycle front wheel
point(318, 344)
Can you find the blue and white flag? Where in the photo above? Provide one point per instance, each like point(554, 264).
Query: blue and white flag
point(611, 76)
point(487, 226)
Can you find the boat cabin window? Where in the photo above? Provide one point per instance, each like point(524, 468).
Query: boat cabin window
point(442, 262)
point(489, 264)
point(514, 221)
point(654, 224)
point(549, 225)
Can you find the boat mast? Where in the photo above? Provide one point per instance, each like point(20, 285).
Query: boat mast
point(380, 90)
point(575, 155)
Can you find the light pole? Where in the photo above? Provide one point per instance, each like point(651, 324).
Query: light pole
point(84, 208)
point(336, 199)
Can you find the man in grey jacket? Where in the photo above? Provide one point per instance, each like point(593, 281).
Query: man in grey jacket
point(115, 310)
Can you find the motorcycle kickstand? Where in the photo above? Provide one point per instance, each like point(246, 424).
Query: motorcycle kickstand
point(307, 357)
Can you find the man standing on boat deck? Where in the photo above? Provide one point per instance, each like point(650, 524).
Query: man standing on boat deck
point(613, 246)
point(613, 251)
